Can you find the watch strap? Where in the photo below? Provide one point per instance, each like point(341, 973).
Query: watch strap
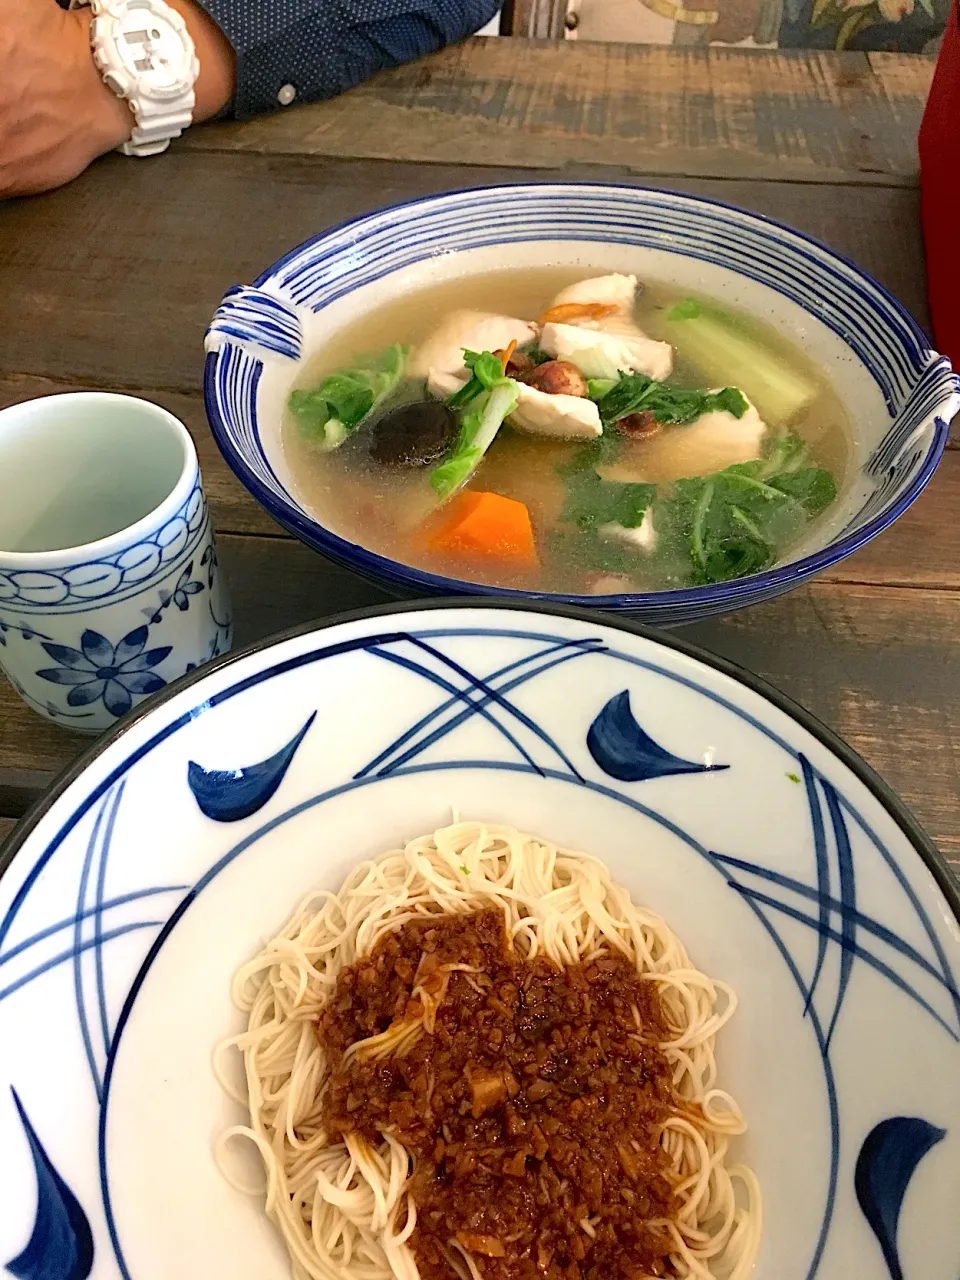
point(154, 130)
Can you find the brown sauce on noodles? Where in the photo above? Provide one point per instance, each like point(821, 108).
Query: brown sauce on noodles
point(531, 1097)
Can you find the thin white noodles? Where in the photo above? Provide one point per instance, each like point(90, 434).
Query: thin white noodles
point(342, 1207)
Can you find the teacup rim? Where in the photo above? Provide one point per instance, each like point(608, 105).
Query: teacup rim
point(83, 552)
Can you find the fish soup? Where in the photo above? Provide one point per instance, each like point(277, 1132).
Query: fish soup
point(542, 431)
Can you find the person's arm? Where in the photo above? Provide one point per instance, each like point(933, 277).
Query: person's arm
point(302, 50)
point(56, 114)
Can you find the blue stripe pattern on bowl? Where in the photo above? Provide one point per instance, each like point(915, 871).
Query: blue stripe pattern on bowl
point(918, 386)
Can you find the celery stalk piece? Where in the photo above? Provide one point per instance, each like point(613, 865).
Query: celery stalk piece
point(728, 356)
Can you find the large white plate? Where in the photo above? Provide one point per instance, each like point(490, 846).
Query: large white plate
point(786, 867)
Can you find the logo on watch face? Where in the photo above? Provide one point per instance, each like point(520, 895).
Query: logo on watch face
point(152, 47)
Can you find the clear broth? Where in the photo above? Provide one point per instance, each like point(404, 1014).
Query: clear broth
point(382, 509)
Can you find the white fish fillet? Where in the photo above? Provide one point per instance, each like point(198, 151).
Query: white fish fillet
point(614, 290)
point(604, 355)
point(642, 538)
point(558, 417)
point(473, 330)
point(713, 442)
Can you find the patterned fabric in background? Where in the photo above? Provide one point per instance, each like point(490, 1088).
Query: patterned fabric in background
point(319, 48)
point(907, 26)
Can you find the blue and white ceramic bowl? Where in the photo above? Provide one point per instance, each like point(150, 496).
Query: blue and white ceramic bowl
point(155, 867)
point(900, 395)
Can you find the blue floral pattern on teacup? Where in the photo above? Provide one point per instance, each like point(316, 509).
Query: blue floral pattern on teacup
point(186, 586)
point(99, 672)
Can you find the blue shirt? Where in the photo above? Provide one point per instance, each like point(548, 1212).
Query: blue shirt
point(298, 50)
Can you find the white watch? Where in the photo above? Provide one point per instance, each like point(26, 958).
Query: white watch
point(146, 56)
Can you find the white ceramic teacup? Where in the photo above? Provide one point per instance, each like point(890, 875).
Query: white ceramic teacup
point(109, 583)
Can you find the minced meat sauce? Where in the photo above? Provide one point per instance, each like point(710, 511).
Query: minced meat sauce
point(533, 1110)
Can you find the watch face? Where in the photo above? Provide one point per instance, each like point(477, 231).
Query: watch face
point(152, 48)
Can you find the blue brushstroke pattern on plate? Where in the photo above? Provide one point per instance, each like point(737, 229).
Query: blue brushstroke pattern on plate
point(887, 1161)
point(228, 795)
point(624, 751)
point(61, 1245)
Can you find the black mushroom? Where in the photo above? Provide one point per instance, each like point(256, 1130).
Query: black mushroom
point(412, 435)
point(557, 378)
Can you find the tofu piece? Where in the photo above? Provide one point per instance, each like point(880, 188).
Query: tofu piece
point(713, 442)
point(604, 355)
point(558, 417)
point(642, 538)
point(613, 290)
point(473, 330)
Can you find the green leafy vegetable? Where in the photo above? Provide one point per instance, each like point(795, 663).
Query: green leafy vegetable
point(485, 371)
point(813, 487)
point(635, 393)
point(492, 398)
point(597, 388)
point(329, 414)
point(592, 502)
point(709, 528)
point(536, 355)
point(722, 349)
point(733, 523)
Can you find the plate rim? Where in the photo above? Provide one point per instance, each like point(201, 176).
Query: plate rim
point(890, 801)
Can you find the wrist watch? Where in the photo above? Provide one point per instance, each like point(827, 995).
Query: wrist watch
point(146, 56)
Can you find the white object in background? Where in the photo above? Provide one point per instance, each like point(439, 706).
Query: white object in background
point(146, 56)
point(109, 585)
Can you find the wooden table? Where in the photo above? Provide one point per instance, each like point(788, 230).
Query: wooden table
point(110, 283)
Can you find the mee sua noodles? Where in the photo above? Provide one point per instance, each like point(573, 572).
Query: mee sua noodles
point(590, 436)
point(480, 1059)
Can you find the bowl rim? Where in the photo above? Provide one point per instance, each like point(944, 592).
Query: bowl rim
point(893, 804)
point(723, 595)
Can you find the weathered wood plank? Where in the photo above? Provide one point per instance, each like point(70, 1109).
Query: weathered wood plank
point(799, 115)
point(130, 310)
point(874, 663)
point(922, 549)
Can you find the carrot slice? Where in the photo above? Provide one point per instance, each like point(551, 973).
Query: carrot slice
point(506, 355)
point(488, 525)
point(569, 311)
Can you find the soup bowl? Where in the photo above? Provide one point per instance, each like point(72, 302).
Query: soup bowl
point(158, 865)
point(899, 394)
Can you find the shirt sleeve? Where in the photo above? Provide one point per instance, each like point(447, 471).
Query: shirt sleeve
point(300, 50)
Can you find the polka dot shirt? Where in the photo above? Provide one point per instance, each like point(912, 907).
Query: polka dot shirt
point(298, 50)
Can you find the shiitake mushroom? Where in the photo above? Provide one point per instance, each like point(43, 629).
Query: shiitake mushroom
point(557, 378)
point(412, 435)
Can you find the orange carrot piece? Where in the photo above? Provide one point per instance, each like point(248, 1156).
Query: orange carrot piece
point(570, 311)
point(505, 355)
point(488, 525)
